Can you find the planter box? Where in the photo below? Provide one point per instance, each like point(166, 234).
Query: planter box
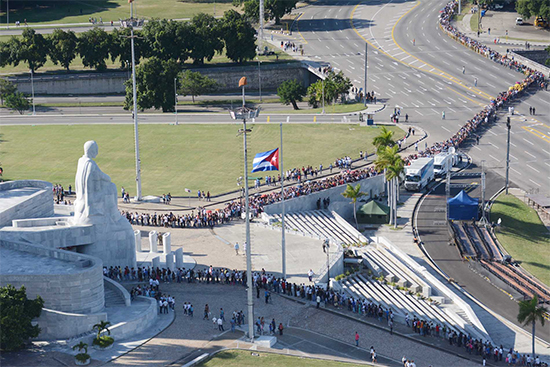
point(97, 347)
point(85, 363)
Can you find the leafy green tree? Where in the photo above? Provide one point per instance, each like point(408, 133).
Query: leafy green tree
point(353, 193)
point(335, 85)
point(206, 39)
point(121, 47)
point(94, 47)
point(63, 47)
point(16, 315)
point(155, 85)
point(529, 313)
point(5, 54)
point(273, 9)
point(33, 49)
point(18, 102)
point(290, 92)
point(529, 8)
point(10, 52)
point(167, 40)
point(238, 36)
point(195, 84)
point(6, 88)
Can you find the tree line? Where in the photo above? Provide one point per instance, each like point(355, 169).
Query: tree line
point(197, 40)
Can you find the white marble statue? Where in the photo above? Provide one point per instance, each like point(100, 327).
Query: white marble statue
point(96, 195)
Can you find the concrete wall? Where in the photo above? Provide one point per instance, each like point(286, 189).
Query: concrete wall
point(49, 234)
point(39, 204)
point(372, 186)
point(62, 325)
point(109, 83)
point(118, 289)
point(77, 292)
point(539, 56)
point(528, 59)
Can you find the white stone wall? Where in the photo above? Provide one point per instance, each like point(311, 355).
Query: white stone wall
point(77, 292)
point(38, 205)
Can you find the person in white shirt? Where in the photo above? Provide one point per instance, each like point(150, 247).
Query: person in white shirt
point(236, 248)
point(310, 274)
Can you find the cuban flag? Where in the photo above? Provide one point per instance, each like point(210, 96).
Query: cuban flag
point(266, 161)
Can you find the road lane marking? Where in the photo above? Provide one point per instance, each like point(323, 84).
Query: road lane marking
point(530, 154)
point(528, 141)
point(534, 169)
point(535, 182)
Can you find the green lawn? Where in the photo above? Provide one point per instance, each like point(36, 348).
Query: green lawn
point(70, 11)
point(241, 358)
point(206, 157)
point(523, 235)
point(474, 23)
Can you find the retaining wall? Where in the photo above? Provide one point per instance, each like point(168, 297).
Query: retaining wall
point(38, 204)
point(272, 75)
point(80, 291)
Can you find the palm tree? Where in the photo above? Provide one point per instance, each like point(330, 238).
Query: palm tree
point(390, 162)
point(101, 327)
point(353, 193)
point(384, 139)
point(393, 174)
point(530, 312)
point(81, 346)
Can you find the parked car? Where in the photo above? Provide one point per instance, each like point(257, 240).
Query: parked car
point(519, 21)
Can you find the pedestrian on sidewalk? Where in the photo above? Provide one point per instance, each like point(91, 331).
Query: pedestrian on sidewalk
point(390, 324)
point(356, 339)
point(318, 299)
point(220, 325)
point(281, 328)
point(236, 248)
point(310, 274)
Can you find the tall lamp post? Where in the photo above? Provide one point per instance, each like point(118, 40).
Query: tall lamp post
point(508, 126)
point(32, 92)
point(326, 248)
point(129, 23)
point(176, 98)
point(259, 77)
point(243, 113)
point(8, 15)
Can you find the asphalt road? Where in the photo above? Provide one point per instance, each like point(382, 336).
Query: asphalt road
point(426, 78)
point(434, 233)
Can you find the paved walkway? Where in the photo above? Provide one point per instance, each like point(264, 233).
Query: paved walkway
point(501, 22)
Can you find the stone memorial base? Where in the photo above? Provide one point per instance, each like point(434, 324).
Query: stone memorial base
point(266, 341)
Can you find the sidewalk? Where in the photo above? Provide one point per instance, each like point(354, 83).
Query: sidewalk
point(501, 22)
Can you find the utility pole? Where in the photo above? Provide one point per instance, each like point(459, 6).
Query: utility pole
point(447, 193)
point(509, 126)
point(459, 7)
point(8, 15)
point(365, 91)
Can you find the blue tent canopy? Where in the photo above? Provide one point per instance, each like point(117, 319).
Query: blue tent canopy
point(463, 207)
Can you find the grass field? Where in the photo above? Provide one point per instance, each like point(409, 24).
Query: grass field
point(80, 11)
point(523, 235)
point(205, 157)
point(241, 358)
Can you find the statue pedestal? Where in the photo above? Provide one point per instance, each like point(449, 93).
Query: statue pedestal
point(113, 243)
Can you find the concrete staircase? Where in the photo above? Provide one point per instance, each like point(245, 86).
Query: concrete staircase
point(113, 299)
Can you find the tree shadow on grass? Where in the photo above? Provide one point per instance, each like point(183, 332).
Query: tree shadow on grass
point(528, 231)
point(37, 12)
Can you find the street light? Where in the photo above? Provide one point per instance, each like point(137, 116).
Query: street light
point(243, 113)
point(508, 126)
point(32, 91)
point(323, 85)
point(129, 23)
point(176, 98)
point(259, 77)
point(326, 248)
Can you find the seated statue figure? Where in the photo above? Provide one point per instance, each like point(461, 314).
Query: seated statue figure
point(96, 195)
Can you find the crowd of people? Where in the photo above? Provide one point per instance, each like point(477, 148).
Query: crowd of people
point(265, 284)
point(488, 113)
point(201, 218)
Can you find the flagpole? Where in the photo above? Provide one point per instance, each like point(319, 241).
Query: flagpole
point(283, 243)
